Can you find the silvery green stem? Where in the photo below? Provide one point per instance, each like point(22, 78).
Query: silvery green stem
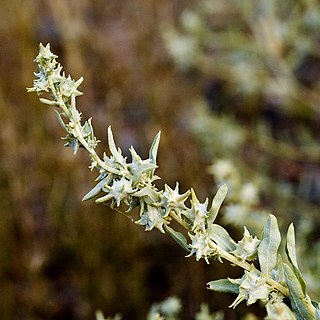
point(132, 184)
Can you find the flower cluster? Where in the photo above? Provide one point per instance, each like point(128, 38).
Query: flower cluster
point(50, 74)
point(131, 183)
point(121, 181)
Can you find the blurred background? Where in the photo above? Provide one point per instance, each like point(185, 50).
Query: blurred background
point(234, 88)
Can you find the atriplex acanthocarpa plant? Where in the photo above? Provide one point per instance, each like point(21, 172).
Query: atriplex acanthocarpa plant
point(268, 276)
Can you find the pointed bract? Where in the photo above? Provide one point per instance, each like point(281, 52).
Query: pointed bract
point(154, 148)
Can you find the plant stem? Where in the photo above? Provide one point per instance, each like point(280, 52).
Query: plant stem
point(246, 266)
point(232, 259)
point(175, 217)
point(94, 157)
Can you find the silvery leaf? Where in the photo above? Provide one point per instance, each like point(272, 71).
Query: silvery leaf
point(291, 252)
point(221, 237)
point(217, 202)
point(300, 302)
point(223, 285)
point(154, 148)
point(178, 237)
point(269, 245)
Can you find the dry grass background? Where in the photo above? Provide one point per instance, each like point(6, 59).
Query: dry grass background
point(61, 258)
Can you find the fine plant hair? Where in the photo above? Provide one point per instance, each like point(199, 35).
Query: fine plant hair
point(268, 275)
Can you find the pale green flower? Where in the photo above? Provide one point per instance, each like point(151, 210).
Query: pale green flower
point(200, 246)
point(40, 85)
point(69, 87)
point(141, 170)
point(46, 59)
point(198, 213)
point(252, 287)
point(152, 217)
point(172, 200)
point(120, 190)
point(247, 247)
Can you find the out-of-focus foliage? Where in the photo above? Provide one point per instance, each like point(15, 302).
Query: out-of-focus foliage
point(258, 49)
point(259, 116)
point(169, 309)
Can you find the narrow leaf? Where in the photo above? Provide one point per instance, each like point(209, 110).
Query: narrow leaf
point(73, 143)
point(49, 102)
point(63, 125)
point(300, 302)
point(291, 245)
point(223, 285)
point(221, 237)
point(269, 245)
point(95, 190)
point(113, 149)
point(178, 237)
point(104, 198)
point(154, 148)
point(217, 202)
point(291, 252)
